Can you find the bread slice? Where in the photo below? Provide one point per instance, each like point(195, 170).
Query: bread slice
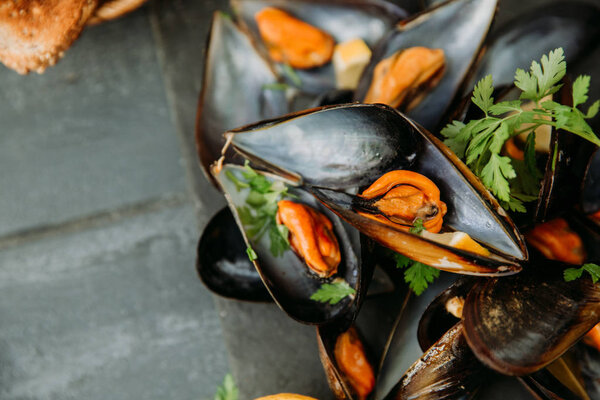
point(35, 33)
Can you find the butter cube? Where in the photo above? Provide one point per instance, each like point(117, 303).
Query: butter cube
point(349, 60)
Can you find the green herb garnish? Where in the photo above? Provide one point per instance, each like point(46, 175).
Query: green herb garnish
point(479, 142)
point(416, 274)
point(251, 253)
point(258, 215)
point(334, 292)
point(275, 86)
point(292, 74)
point(570, 274)
point(228, 390)
point(417, 227)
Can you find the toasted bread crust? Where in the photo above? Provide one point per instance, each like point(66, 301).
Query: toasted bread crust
point(35, 33)
point(111, 9)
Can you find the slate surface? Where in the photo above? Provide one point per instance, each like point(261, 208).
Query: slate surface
point(113, 311)
point(91, 134)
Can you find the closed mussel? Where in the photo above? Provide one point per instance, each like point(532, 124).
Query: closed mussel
point(335, 150)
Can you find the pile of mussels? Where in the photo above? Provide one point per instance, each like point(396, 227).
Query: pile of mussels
point(502, 306)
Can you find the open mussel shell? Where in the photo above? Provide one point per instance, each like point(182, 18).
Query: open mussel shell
point(570, 25)
point(222, 262)
point(373, 324)
point(459, 27)
point(562, 184)
point(349, 146)
point(519, 324)
point(286, 277)
point(588, 359)
point(233, 89)
point(402, 348)
point(436, 319)
point(369, 20)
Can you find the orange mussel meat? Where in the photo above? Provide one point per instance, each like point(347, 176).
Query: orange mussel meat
point(311, 237)
point(351, 359)
point(401, 197)
point(292, 41)
point(402, 79)
point(556, 241)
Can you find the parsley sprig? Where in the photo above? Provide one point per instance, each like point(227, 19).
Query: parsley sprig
point(333, 292)
point(479, 142)
point(228, 390)
point(416, 274)
point(258, 215)
point(570, 274)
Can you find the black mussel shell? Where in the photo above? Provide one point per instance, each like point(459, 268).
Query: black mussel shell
point(519, 324)
point(222, 262)
point(588, 359)
point(337, 147)
point(286, 276)
point(437, 320)
point(447, 370)
point(402, 348)
point(445, 27)
point(570, 25)
point(373, 325)
point(556, 381)
point(232, 63)
point(369, 20)
point(349, 146)
point(590, 196)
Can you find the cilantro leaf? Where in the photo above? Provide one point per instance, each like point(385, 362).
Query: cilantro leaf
point(482, 95)
point(419, 276)
point(581, 87)
point(458, 136)
point(279, 243)
point(504, 107)
point(402, 261)
point(333, 293)
point(530, 156)
point(227, 390)
point(570, 274)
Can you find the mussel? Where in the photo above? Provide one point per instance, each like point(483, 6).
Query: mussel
point(517, 325)
point(287, 276)
point(345, 147)
point(444, 27)
point(369, 19)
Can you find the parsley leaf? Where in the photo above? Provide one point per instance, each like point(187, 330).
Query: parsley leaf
point(417, 226)
point(258, 214)
point(570, 274)
point(480, 142)
point(482, 95)
point(416, 274)
point(228, 390)
point(334, 292)
point(251, 253)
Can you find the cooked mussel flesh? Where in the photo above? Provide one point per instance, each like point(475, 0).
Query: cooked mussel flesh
point(403, 79)
point(292, 41)
point(310, 236)
point(351, 359)
point(401, 197)
point(557, 241)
